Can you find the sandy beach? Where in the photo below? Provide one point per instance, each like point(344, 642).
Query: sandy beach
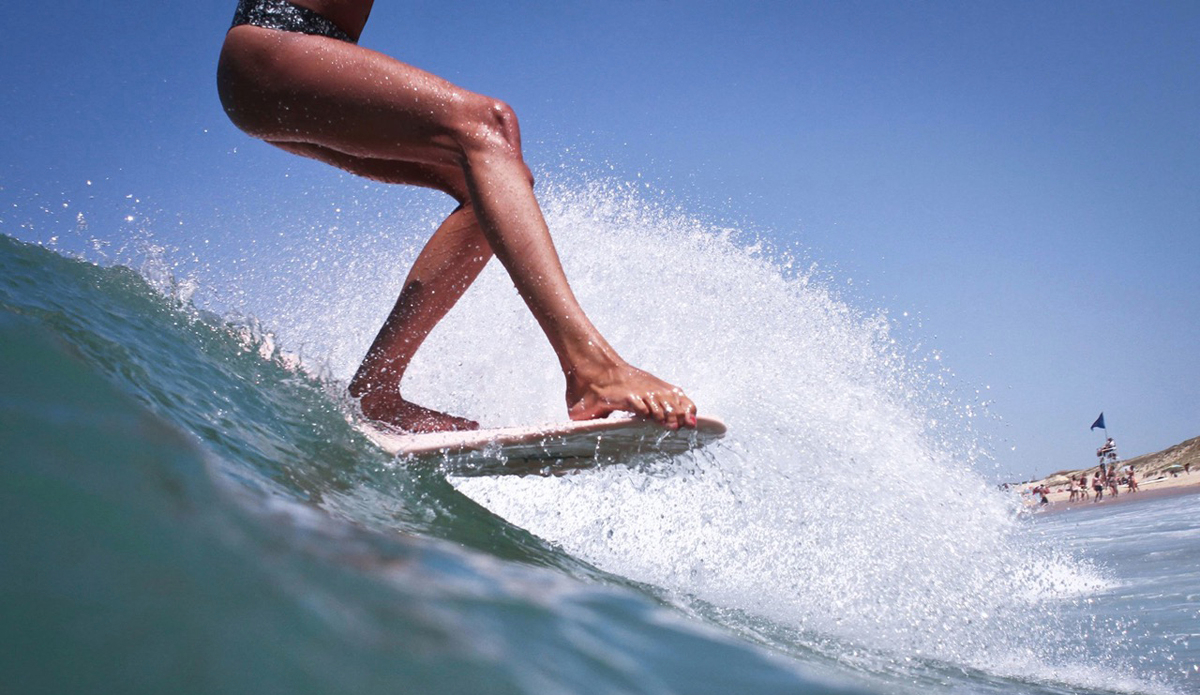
point(1060, 498)
point(1172, 471)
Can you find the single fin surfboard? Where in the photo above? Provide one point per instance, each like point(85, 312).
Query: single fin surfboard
point(547, 449)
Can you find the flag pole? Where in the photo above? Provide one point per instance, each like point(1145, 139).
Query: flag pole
point(1102, 454)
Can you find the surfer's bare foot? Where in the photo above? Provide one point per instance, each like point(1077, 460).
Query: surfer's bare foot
point(629, 389)
point(391, 409)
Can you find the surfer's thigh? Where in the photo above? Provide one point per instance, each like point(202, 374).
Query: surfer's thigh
point(287, 87)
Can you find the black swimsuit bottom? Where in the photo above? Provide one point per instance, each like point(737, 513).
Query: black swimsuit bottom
point(284, 16)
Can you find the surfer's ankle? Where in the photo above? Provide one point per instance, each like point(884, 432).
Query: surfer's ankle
point(362, 385)
point(600, 367)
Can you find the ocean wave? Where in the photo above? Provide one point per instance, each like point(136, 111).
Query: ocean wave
point(842, 523)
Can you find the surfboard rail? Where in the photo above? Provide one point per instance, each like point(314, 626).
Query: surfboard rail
point(546, 448)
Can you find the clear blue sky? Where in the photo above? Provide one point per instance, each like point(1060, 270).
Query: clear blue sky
point(1021, 178)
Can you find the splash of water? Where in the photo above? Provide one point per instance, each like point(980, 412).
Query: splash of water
point(843, 503)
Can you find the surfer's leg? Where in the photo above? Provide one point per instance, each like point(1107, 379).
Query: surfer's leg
point(445, 268)
point(295, 88)
point(447, 265)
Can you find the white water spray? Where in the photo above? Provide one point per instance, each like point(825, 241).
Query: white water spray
point(838, 505)
point(843, 504)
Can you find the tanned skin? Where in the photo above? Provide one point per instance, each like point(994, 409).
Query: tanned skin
point(377, 117)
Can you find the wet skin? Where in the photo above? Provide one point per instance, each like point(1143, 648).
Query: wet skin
point(374, 116)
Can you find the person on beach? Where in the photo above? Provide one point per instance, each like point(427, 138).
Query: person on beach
point(292, 74)
point(1098, 486)
point(1108, 456)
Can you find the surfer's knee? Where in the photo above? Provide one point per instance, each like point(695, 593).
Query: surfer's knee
point(488, 128)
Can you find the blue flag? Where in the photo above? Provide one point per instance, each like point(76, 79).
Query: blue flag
point(1099, 423)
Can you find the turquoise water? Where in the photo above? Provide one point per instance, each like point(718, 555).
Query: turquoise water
point(184, 507)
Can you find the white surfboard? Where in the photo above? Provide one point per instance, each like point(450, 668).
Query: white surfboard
point(547, 449)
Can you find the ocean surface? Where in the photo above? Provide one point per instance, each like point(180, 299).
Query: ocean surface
point(185, 508)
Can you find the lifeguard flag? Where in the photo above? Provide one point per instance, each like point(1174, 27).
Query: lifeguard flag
point(1099, 423)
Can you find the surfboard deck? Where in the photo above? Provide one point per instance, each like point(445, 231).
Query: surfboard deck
point(547, 449)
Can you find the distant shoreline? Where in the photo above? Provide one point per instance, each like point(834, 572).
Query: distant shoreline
point(1147, 491)
point(1158, 475)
